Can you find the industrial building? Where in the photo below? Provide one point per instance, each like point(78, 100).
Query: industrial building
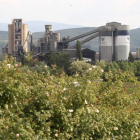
point(17, 38)
point(88, 54)
point(48, 43)
point(114, 42)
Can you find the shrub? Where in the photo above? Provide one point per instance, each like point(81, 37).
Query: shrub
point(41, 67)
point(39, 106)
point(79, 67)
point(101, 63)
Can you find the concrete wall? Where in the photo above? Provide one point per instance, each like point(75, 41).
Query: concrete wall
point(106, 53)
point(24, 37)
point(11, 39)
point(17, 24)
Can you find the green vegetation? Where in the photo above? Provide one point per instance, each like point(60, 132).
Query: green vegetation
point(130, 58)
point(36, 103)
point(78, 51)
point(62, 62)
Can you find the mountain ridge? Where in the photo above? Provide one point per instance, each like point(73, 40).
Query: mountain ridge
point(93, 44)
point(39, 26)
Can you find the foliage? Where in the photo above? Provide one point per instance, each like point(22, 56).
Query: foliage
point(62, 61)
point(101, 63)
point(124, 76)
point(28, 60)
point(41, 67)
point(39, 106)
point(130, 58)
point(79, 67)
point(52, 59)
point(78, 51)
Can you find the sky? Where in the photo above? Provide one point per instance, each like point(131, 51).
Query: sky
point(88, 13)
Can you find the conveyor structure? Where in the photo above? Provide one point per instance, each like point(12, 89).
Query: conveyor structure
point(86, 40)
point(81, 36)
point(114, 41)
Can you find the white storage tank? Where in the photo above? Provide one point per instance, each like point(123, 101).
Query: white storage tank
point(122, 42)
point(105, 43)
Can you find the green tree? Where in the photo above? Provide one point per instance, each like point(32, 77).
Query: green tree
point(63, 61)
point(60, 61)
point(51, 59)
point(101, 63)
point(79, 67)
point(116, 66)
point(78, 51)
point(109, 67)
point(130, 58)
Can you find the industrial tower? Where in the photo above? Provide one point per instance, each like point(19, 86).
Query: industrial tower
point(17, 34)
point(114, 41)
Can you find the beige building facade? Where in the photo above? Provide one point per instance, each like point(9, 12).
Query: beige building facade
point(17, 36)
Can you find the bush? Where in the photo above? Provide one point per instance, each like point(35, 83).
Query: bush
point(41, 67)
point(39, 106)
point(79, 67)
point(101, 63)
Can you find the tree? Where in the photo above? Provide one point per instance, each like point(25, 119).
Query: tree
point(63, 61)
point(101, 63)
point(109, 67)
point(51, 59)
point(130, 58)
point(79, 67)
point(78, 51)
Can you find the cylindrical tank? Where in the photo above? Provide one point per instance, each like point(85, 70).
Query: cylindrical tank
point(105, 43)
point(24, 37)
point(122, 42)
point(48, 27)
point(56, 36)
point(53, 46)
point(11, 39)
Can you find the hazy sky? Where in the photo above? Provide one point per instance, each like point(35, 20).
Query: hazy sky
point(91, 13)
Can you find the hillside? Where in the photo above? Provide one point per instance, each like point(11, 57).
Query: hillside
point(93, 44)
point(37, 26)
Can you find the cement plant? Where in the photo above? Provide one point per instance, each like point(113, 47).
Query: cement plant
point(114, 42)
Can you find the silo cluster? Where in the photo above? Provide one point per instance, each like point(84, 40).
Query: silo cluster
point(49, 41)
point(114, 42)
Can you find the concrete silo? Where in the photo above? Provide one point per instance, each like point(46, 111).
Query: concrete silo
point(122, 42)
point(105, 43)
point(54, 40)
point(49, 41)
point(114, 41)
